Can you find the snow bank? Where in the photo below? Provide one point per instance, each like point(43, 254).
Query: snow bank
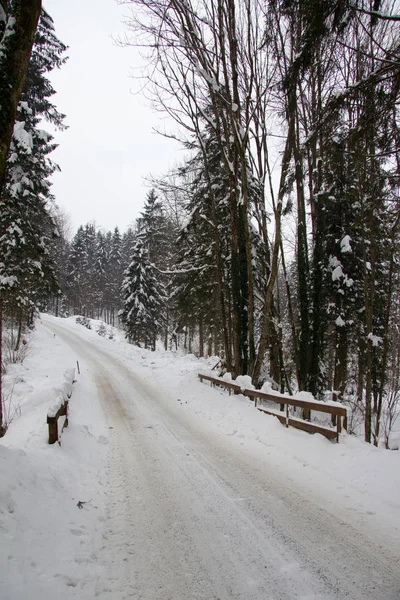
point(47, 539)
point(63, 393)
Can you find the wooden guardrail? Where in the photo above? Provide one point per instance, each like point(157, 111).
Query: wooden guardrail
point(60, 407)
point(339, 412)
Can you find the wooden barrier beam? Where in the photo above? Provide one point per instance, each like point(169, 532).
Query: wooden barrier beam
point(316, 405)
point(331, 434)
point(228, 384)
point(255, 395)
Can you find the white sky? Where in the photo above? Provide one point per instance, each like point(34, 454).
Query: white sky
point(110, 146)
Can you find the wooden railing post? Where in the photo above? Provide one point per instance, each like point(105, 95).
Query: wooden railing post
point(60, 407)
point(53, 429)
point(52, 421)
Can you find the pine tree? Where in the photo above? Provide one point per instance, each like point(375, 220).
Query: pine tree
point(143, 300)
point(128, 240)
point(114, 274)
point(151, 228)
point(26, 228)
point(100, 271)
point(83, 285)
point(200, 287)
point(76, 271)
point(27, 271)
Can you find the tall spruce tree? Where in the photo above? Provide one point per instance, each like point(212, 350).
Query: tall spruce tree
point(201, 285)
point(114, 274)
point(26, 226)
point(144, 289)
point(142, 314)
point(27, 230)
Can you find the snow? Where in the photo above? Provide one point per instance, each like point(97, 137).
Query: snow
point(345, 244)
point(245, 382)
point(23, 137)
point(339, 322)
point(25, 106)
point(43, 531)
point(8, 281)
point(337, 273)
point(65, 524)
point(41, 134)
point(375, 339)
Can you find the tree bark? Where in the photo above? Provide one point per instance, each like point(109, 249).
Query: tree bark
point(2, 426)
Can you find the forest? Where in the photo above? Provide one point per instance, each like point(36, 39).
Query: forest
point(274, 244)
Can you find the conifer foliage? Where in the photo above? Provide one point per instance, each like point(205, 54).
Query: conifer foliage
point(27, 271)
point(144, 296)
point(27, 231)
point(94, 273)
point(143, 300)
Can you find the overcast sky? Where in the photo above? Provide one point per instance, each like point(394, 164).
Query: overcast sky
point(109, 147)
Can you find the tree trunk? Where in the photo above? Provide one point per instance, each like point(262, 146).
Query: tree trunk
point(291, 319)
point(385, 345)
point(17, 343)
point(166, 329)
point(2, 426)
point(201, 338)
point(269, 287)
point(318, 210)
point(302, 266)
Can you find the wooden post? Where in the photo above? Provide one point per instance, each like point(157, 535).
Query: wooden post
point(287, 415)
point(66, 415)
point(52, 422)
point(53, 429)
point(338, 426)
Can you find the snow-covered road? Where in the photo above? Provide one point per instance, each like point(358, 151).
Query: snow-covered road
point(192, 515)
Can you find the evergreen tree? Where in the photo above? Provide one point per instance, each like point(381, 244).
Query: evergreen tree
point(201, 288)
point(128, 240)
point(83, 271)
point(100, 270)
point(143, 300)
point(27, 229)
point(151, 228)
point(27, 270)
point(60, 255)
point(76, 271)
point(114, 274)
